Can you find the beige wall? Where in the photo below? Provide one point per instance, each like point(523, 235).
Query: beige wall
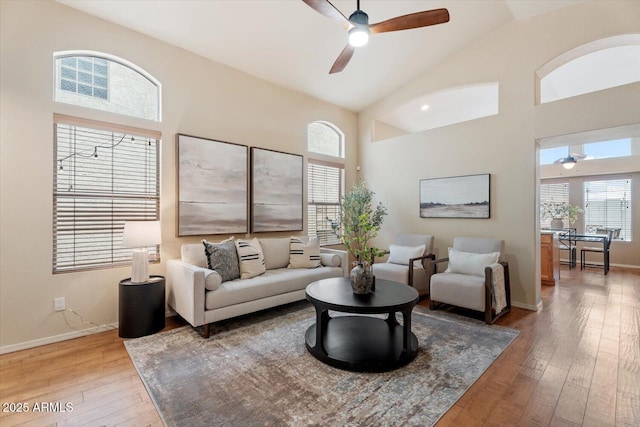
point(200, 97)
point(503, 145)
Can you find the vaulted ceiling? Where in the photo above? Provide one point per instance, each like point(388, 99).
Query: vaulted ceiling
point(288, 43)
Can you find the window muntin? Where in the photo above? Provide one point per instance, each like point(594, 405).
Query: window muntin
point(325, 139)
point(325, 191)
point(554, 193)
point(608, 207)
point(104, 175)
point(107, 83)
point(85, 75)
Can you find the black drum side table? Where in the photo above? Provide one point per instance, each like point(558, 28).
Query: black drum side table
point(141, 307)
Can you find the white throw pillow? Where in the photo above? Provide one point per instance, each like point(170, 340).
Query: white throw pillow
point(304, 255)
point(470, 263)
point(402, 254)
point(250, 258)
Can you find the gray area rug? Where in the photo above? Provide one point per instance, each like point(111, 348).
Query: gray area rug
point(256, 371)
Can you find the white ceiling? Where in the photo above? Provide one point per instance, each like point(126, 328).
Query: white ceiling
point(288, 43)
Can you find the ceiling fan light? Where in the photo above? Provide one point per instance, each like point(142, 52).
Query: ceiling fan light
point(569, 162)
point(358, 36)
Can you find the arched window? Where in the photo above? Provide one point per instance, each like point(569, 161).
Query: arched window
point(104, 82)
point(325, 180)
point(602, 64)
point(105, 173)
point(325, 138)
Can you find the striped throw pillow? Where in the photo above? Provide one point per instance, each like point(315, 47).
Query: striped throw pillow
point(251, 258)
point(304, 255)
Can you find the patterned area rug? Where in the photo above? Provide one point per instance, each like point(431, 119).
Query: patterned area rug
point(256, 371)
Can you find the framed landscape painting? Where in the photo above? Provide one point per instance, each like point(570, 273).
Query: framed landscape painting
point(456, 197)
point(276, 191)
point(212, 186)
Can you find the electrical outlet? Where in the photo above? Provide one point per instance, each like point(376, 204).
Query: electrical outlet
point(58, 304)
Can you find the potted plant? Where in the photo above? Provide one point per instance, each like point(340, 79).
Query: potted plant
point(359, 223)
point(556, 212)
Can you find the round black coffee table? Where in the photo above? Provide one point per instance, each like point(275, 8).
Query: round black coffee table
point(362, 343)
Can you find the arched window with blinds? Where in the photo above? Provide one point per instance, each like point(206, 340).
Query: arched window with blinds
point(325, 180)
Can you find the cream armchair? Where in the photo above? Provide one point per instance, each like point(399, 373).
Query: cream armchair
point(475, 278)
point(407, 261)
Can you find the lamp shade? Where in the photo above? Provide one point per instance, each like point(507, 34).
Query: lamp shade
point(141, 233)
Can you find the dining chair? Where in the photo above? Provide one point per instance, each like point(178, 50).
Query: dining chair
point(604, 250)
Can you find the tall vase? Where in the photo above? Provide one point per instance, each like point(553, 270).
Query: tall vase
point(557, 224)
point(361, 279)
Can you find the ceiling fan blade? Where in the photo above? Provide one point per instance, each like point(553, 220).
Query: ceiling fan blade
point(343, 59)
point(412, 20)
point(325, 8)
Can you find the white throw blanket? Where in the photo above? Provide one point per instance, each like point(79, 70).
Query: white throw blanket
point(499, 299)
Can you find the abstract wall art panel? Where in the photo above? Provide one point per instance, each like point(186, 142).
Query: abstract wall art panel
point(212, 186)
point(276, 191)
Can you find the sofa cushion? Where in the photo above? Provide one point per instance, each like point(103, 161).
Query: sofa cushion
point(271, 283)
point(470, 263)
point(223, 258)
point(276, 252)
point(304, 255)
point(462, 290)
point(250, 258)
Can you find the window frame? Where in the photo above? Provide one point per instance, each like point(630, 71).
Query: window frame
point(109, 58)
point(113, 234)
point(325, 160)
point(329, 239)
point(593, 228)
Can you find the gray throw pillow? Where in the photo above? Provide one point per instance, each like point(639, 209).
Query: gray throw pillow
point(223, 258)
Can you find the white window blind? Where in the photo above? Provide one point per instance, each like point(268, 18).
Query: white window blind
point(325, 190)
point(553, 193)
point(608, 207)
point(104, 175)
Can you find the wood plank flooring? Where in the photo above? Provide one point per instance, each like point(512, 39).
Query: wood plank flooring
point(576, 362)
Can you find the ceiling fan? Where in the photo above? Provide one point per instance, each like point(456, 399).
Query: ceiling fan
point(570, 161)
point(359, 28)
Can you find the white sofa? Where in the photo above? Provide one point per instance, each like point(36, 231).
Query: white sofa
point(189, 297)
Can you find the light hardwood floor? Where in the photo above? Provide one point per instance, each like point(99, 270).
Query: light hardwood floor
point(577, 362)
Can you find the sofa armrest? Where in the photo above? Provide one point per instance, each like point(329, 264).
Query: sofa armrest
point(186, 291)
point(344, 259)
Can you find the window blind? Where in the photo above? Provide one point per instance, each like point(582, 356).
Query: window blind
point(325, 190)
point(102, 178)
point(553, 193)
point(608, 207)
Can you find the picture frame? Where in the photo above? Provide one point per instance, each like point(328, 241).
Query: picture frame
point(467, 196)
point(276, 191)
point(212, 186)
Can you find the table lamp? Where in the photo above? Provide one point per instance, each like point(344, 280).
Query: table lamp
point(139, 235)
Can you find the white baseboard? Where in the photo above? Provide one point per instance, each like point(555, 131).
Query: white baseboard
point(56, 338)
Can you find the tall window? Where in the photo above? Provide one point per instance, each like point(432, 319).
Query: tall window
point(608, 207)
point(104, 175)
point(104, 82)
point(553, 193)
point(325, 180)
